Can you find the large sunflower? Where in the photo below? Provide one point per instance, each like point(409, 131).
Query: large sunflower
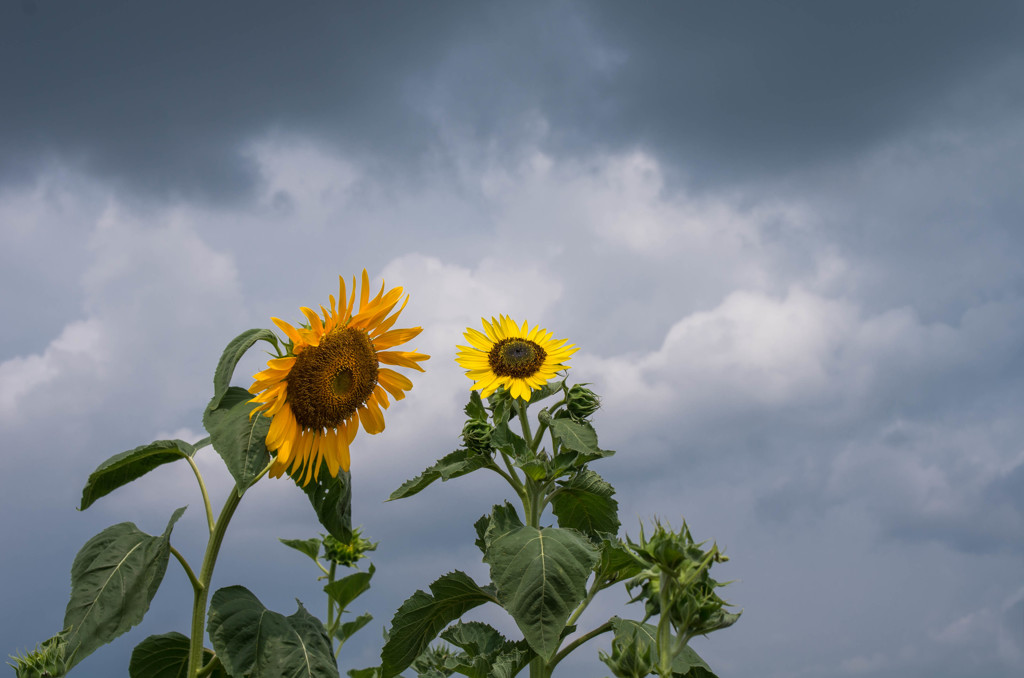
point(330, 380)
point(518, 358)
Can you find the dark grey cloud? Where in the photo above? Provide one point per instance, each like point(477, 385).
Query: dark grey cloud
point(163, 97)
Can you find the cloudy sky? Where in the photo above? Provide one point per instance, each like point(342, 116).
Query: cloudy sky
point(787, 237)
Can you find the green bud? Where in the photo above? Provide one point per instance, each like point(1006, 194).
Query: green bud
point(581, 402)
point(46, 661)
point(347, 554)
point(477, 436)
point(630, 658)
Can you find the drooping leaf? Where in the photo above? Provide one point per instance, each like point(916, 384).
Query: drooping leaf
point(452, 465)
point(343, 591)
point(541, 576)
point(239, 439)
point(584, 502)
point(251, 640)
point(422, 616)
point(113, 579)
point(346, 630)
point(230, 357)
point(166, 656)
point(311, 547)
point(125, 467)
point(686, 663)
point(331, 498)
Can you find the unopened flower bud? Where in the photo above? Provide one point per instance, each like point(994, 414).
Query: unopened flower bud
point(347, 554)
point(477, 436)
point(582, 402)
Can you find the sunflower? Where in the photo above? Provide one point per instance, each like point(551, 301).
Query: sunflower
point(518, 358)
point(330, 379)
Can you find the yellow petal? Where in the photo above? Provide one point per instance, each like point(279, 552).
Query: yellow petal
point(290, 331)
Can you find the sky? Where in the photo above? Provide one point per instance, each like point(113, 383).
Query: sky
point(786, 236)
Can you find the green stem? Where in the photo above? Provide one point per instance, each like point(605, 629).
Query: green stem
point(564, 652)
point(188, 569)
point(202, 593)
point(212, 666)
point(664, 639)
point(512, 477)
point(202, 488)
point(331, 622)
point(594, 588)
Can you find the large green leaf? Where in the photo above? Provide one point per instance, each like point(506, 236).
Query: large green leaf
point(232, 354)
point(239, 439)
point(540, 575)
point(452, 465)
point(331, 498)
point(511, 444)
point(165, 656)
point(686, 663)
point(617, 563)
point(584, 502)
point(420, 618)
point(125, 467)
point(113, 579)
point(345, 590)
point(251, 640)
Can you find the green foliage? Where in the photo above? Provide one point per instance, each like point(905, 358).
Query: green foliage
point(452, 465)
point(585, 503)
point(239, 439)
point(251, 640)
point(637, 645)
point(348, 629)
point(345, 590)
point(166, 656)
point(511, 444)
point(113, 579)
point(125, 467)
point(230, 357)
point(331, 498)
point(617, 562)
point(485, 652)
point(420, 618)
point(311, 547)
point(540, 575)
point(581, 403)
point(677, 584)
point(577, 436)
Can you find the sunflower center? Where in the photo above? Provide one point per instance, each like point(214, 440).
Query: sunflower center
point(329, 382)
point(517, 358)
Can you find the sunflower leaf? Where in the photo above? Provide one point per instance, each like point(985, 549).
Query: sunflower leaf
point(540, 575)
point(165, 656)
point(249, 639)
point(125, 467)
point(348, 629)
point(311, 547)
point(584, 502)
point(331, 498)
point(239, 439)
point(113, 579)
point(230, 357)
point(452, 465)
point(686, 663)
point(345, 590)
point(420, 618)
point(475, 407)
point(511, 444)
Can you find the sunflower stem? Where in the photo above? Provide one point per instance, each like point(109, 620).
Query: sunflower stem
point(512, 479)
point(202, 488)
point(331, 621)
point(202, 593)
point(527, 436)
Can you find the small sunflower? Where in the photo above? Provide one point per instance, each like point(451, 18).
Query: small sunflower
point(518, 358)
point(330, 380)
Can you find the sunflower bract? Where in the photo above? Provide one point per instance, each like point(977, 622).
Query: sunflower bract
point(508, 355)
point(331, 380)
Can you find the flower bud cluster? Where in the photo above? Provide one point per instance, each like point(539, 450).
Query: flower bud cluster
point(46, 661)
point(630, 658)
point(347, 553)
point(676, 581)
